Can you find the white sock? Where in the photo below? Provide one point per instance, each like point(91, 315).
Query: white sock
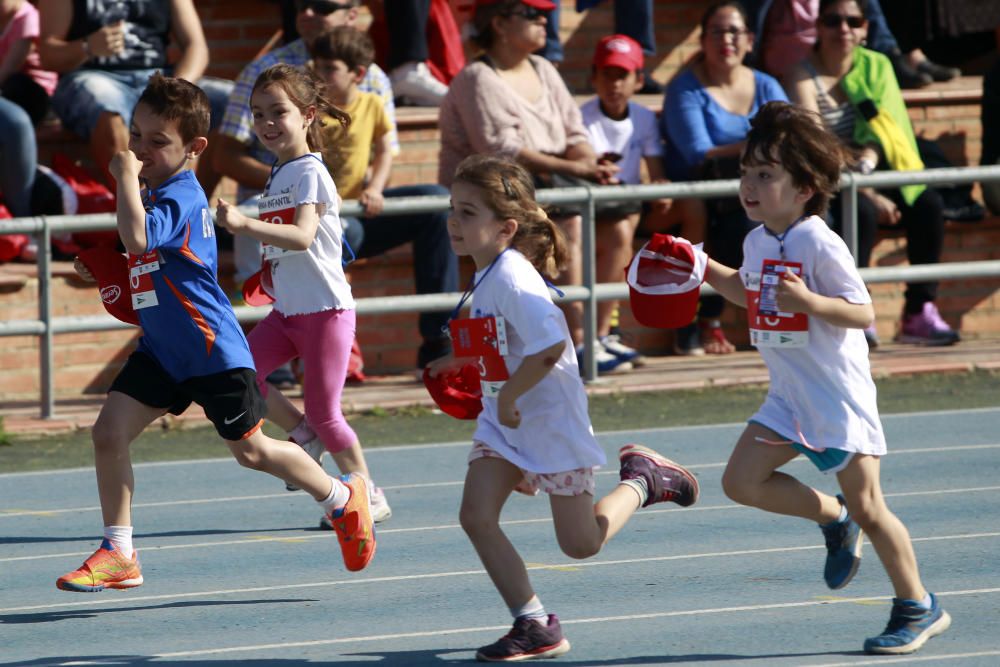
point(121, 537)
point(843, 514)
point(338, 497)
point(638, 484)
point(532, 609)
point(926, 602)
point(302, 433)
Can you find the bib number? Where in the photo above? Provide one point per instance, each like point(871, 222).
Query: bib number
point(770, 327)
point(486, 339)
point(277, 210)
point(140, 274)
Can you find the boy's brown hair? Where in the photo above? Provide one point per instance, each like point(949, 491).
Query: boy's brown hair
point(178, 100)
point(797, 140)
point(345, 43)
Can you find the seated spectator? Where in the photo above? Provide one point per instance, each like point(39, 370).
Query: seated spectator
point(850, 87)
point(990, 117)
point(512, 103)
point(106, 53)
point(706, 115)
point(341, 57)
point(624, 133)
point(411, 79)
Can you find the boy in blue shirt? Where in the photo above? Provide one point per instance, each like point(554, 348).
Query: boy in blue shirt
point(192, 348)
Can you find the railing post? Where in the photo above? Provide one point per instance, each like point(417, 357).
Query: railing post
point(849, 215)
point(588, 250)
point(46, 341)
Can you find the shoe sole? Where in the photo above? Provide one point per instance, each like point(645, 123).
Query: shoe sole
point(553, 651)
point(926, 342)
point(80, 588)
point(660, 459)
point(932, 630)
point(856, 552)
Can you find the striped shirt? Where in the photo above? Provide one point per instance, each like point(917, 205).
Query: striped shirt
point(838, 118)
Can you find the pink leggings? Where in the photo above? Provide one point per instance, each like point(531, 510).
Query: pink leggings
point(323, 341)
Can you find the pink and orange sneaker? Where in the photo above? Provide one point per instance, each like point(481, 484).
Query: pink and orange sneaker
point(106, 568)
point(354, 526)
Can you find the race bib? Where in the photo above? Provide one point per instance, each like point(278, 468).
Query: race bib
point(770, 327)
point(277, 210)
point(140, 270)
point(486, 339)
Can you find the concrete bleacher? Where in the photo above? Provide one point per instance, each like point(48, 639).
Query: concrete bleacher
point(86, 362)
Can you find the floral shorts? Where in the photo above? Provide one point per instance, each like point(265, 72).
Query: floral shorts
point(569, 483)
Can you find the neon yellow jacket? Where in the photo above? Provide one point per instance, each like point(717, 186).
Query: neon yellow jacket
point(872, 88)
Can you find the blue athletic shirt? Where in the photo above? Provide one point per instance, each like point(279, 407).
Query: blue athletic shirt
point(192, 331)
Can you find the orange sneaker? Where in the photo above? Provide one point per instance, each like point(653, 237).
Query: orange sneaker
point(354, 526)
point(106, 568)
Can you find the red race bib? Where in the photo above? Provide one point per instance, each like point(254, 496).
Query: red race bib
point(486, 339)
point(277, 210)
point(770, 327)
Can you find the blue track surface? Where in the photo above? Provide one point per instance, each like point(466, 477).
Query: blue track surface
point(235, 573)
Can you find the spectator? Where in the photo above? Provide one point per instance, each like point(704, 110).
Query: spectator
point(512, 103)
point(624, 133)
point(706, 115)
point(411, 79)
point(106, 51)
point(850, 87)
point(341, 57)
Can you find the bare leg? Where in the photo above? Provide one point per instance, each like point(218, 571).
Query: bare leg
point(284, 460)
point(108, 138)
point(488, 484)
point(751, 478)
point(866, 504)
point(583, 528)
point(121, 420)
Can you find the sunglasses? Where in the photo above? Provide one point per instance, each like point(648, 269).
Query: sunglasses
point(834, 20)
point(321, 7)
point(721, 33)
point(529, 13)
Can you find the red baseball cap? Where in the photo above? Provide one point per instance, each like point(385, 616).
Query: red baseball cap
point(110, 269)
point(458, 394)
point(258, 288)
point(544, 5)
point(619, 51)
point(664, 280)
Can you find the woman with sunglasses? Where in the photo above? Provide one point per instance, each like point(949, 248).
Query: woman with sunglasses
point(512, 103)
point(706, 115)
point(855, 92)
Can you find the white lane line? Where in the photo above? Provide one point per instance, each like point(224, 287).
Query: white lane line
point(566, 566)
point(16, 512)
point(390, 449)
point(602, 619)
point(884, 660)
point(284, 536)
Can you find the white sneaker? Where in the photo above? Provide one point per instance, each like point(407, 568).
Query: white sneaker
point(379, 507)
point(415, 84)
point(313, 448)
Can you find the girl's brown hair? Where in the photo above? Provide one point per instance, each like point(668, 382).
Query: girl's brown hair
point(509, 193)
point(304, 90)
point(796, 139)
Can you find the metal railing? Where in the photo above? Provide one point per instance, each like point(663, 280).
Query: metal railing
point(42, 227)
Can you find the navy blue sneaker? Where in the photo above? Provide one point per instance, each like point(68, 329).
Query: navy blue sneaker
point(606, 361)
point(843, 550)
point(527, 640)
point(909, 628)
point(613, 344)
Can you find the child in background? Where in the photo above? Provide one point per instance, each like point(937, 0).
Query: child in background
point(22, 79)
point(313, 316)
point(625, 133)
point(808, 308)
point(192, 347)
point(534, 432)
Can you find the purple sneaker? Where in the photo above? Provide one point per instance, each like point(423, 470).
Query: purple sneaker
point(927, 328)
point(665, 480)
point(527, 640)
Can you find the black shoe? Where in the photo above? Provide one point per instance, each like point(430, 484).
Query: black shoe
point(651, 86)
point(938, 72)
point(972, 212)
point(432, 349)
point(906, 74)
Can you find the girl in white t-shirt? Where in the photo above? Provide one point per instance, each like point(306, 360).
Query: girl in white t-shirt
point(313, 316)
point(808, 308)
point(533, 432)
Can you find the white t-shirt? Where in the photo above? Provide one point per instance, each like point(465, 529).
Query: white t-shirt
point(634, 137)
point(310, 281)
point(822, 394)
point(555, 434)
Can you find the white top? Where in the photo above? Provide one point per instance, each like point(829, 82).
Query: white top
point(634, 137)
point(825, 386)
point(311, 281)
point(555, 434)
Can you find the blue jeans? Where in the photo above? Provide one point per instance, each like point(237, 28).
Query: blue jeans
point(18, 157)
point(84, 94)
point(632, 17)
point(880, 37)
point(435, 267)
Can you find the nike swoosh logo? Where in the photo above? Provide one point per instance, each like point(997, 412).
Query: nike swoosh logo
point(230, 421)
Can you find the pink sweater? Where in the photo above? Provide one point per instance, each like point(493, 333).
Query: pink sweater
point(482, 114)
